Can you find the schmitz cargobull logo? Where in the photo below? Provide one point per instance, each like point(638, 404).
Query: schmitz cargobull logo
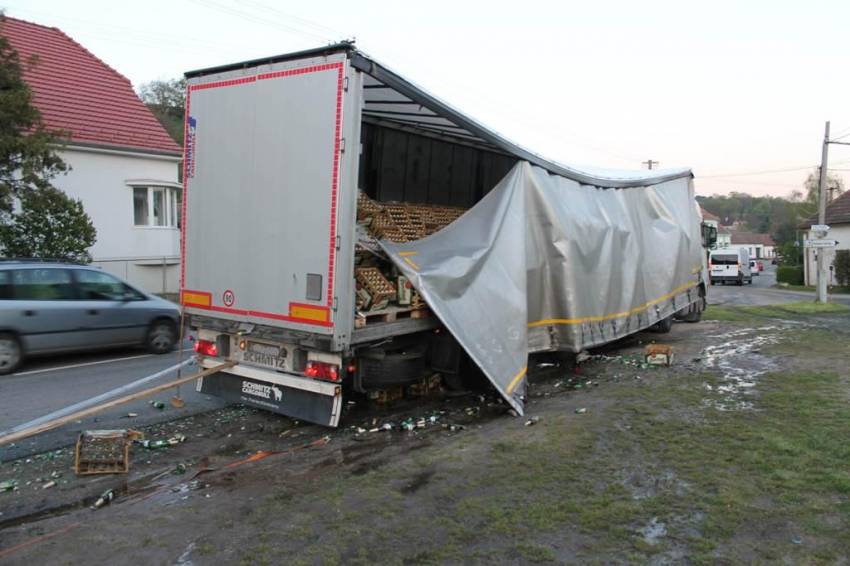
point(261, 390)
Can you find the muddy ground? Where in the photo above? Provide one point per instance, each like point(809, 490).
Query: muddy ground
point(736, 453)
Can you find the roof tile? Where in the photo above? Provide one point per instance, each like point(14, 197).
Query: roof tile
point(837, 212)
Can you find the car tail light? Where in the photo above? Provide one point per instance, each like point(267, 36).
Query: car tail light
point(206, 348)
point(321, 370)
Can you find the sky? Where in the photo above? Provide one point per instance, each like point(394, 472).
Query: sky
point(737, 90)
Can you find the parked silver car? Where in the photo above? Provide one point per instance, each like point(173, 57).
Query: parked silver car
point(59, 307)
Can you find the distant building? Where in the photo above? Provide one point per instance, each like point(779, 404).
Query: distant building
point(724, 237)
point(838, 220)
point(123, 163)
point(759, 246)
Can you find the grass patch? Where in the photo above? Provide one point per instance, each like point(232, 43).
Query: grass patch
point(832, 289)
point(749, 313)
point(726, 486)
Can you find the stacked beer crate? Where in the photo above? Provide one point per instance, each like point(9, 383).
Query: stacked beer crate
point(380, 286)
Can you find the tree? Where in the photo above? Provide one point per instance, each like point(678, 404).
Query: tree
point(167, 101)
point(841, 265)
point(36, 219)
point(27, 156)
point(834, 185)
point(50, 224)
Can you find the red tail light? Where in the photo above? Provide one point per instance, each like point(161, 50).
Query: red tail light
point(321, 370)
point(206, 348)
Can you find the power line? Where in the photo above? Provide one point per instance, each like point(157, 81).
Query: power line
point(309, 23)
point(247, 16)
point(764, 172)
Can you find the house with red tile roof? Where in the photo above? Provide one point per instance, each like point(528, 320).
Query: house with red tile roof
point(124, 166)
point(758, 245)
point(838, 220)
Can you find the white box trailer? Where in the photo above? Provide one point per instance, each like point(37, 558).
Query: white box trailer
point(276, 150)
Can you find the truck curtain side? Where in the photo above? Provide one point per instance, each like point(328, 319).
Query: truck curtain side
point(276, 152)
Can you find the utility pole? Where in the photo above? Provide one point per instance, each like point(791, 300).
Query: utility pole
point(822, 275)
point(649, 163)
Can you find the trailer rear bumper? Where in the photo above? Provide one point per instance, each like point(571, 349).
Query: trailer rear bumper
point(305, 399)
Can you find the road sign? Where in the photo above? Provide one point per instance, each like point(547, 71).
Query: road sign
point(820, 243)
point(820, 228)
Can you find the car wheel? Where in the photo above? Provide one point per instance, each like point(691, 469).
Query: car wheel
point(11, 354)
point(162, 337)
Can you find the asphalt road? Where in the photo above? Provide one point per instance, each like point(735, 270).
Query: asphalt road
point(47, 385)
point(762, 292)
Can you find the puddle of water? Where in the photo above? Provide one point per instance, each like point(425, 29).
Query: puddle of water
point(738, 359)
point(653, 531)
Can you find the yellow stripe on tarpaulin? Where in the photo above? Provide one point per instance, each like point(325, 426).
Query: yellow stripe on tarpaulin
point(515, 381)
point(409, 262)
point(407, 254)
point(604, 317)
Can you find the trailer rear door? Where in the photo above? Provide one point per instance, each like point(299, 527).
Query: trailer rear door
point(262, 178)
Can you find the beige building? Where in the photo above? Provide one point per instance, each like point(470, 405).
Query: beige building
point(838, 220)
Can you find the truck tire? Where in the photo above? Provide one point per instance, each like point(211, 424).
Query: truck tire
point(693, 316)
point(663, 326)
point(11, 353)
point(392, 368)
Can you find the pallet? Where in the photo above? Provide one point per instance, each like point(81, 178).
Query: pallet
point(389, 314)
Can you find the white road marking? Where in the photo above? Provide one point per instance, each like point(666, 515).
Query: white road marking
point(86, 364)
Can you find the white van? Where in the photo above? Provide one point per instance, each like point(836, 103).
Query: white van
point(730, 266)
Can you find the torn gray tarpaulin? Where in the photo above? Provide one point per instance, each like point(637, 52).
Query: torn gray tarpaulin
point(543, 263)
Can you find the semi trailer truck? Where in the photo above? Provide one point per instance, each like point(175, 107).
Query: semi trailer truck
point(343, 230)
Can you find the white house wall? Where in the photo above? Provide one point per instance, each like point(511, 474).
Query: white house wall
point(756, 251)
point(136, 253)
point(839, 233)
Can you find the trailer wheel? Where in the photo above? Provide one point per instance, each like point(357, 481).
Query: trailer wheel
point(11, 353)
point(392, 368)
point(664, 325)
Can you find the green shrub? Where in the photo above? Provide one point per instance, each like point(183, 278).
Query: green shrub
point(791, 274)
point(842, 267)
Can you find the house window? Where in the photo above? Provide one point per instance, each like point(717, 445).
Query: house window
point(156, 206)
point(140, 206)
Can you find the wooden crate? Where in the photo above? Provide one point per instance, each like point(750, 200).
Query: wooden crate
point(374, 281)
point(104, 451)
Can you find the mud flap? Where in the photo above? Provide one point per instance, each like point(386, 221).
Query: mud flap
point(299, 398)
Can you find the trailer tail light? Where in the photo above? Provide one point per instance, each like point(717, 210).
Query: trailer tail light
point(206, 348)
point(321, 370)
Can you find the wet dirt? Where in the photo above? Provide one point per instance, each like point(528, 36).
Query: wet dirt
point(740, 363)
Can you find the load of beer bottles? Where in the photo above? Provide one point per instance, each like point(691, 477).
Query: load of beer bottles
point(379, 283)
